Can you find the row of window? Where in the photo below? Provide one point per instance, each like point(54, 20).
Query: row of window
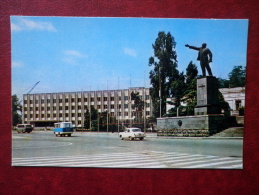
point(79, 107)
point(74, 115)
point(66, 100)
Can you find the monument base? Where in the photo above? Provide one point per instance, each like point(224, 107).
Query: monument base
point(190, 126)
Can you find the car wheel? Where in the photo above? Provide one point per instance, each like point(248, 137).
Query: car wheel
point(69, 135)
point(131, 138)
point(141, 138)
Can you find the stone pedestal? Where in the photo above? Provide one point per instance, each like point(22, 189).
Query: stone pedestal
point(207, 120)
point(207, 96)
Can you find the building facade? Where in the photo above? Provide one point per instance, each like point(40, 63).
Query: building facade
point(235, 97)
point(44, 109)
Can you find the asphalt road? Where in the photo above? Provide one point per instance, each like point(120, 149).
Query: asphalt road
point(86, 149)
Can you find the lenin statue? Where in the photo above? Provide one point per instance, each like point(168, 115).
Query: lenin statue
point(204, 56)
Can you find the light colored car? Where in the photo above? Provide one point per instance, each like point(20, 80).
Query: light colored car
point(24, 128)
point(132, 133)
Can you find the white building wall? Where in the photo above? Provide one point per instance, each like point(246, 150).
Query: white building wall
point(71, 106)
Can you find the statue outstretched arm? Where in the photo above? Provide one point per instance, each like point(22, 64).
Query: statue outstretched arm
point(192, 47)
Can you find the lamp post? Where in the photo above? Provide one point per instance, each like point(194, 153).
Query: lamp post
point(107, 121)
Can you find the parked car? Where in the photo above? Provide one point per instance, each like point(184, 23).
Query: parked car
point(24, 128)
point(132, 133)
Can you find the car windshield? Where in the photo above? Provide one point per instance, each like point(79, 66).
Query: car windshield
point(136, 130)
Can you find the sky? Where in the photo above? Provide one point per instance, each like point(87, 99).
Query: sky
point(69, 54)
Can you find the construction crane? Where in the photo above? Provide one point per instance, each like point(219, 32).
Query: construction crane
point(31, 89)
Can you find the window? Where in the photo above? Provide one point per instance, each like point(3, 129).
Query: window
point(126, 98)
point(105, 106)
point(54, 115)
point(48, 108)
point(119, 97)
point(78, 99)
point(73, 100)
point(79, 114)
point(112, 106)
point(66, 108)
point(125, 105)
point(60, 107)
point(105, 99)
point(60, 100)
point(85, 99)
point(42, 101)
point(25, 101)
point(54, 100)
point(126, 114)
point(36, 101)
point(147, 97)
point(54, 107)
point(60, 115)
point(98, 99)
point(79, 107)
point(98, 106)
point(66, 100)
point(30, 101)
point(48, 101)
point(92, 99)
point(112, 98)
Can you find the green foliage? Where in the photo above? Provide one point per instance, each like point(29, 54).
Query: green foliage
point(223, 104)
point(94, 117)
point(237, 76)
point(16, 110)
point(164, 65)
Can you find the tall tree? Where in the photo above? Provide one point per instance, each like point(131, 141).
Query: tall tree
point(237, 76)
point(93, 119)
point(191, 88)
point(138, 106)
point(164, 63)
point(16, 110)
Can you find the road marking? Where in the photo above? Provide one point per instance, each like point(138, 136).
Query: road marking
point(145, 159)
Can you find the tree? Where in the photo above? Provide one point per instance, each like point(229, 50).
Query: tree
point(16, 110)
point(164, 62)
point(223, 83)
point(237, 76)
point(138, 107)
point(94, 117)
point(190, 96)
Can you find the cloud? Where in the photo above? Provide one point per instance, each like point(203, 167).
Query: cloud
point(130, 52)
point(26, 24)
point(73, 53)
point(17, 64)
point(73, 57)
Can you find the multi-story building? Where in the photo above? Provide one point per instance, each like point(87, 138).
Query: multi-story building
point(44, 109)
